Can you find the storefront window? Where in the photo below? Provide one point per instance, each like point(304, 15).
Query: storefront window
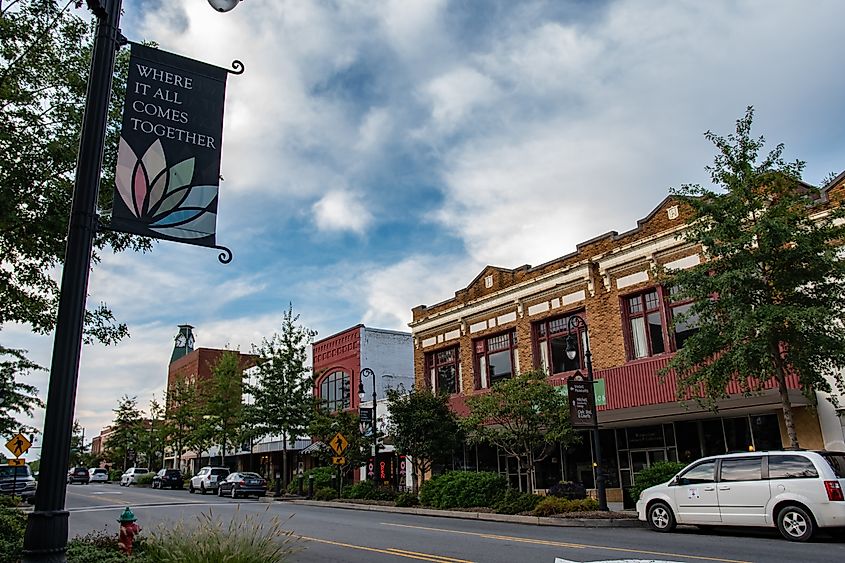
point(738, 434)
point(766, 432)
point(689, 441)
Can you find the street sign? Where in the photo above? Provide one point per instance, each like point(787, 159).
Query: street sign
point(20, 462)
point(598, 384)
point(339, 443)
point(582, 403)
point(338, 460)
point(365, 415)
point(18, 445)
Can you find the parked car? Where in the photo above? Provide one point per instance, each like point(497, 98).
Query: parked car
point(17, 480)
point(130, 476)
point(171, 478)
point(243, 484)
point(98, 475)
point(795, 491)
point(77, 475)
point(207, 479)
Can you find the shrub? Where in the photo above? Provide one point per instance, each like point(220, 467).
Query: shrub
point(568, 489)
point(101, 547)
point(12, 527)
point(463, 489)
point(657, 474)
point(10, 501)
point(115, 475)
point(514, 502)
point(325, 493)
point(407, 499)
point(322, 478)
point(367, 490)
point(145, 479)
point(556, 505)
point(251, 539)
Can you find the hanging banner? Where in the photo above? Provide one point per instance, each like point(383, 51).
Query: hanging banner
point(168, 161)
point(582, 403)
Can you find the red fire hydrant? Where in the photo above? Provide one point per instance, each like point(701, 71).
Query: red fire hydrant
point(128, 530)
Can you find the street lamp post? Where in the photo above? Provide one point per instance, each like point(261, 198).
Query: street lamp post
point(367, 372)
point(45, 539)
point(576, 321)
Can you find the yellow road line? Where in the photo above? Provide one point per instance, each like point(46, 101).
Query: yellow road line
point(390, 551)
point(564, 544)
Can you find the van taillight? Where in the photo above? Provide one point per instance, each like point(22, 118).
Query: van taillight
point(834, 490)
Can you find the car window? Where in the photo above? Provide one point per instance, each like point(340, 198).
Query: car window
point(701, 473)
point(100, 472)
point(251, 475)
point(142, 470)
point(837, 462)
point(8, 471)
point(742, 469)
point(172, 472)
point(203, 471)
point(220, 472)
point(791, 467)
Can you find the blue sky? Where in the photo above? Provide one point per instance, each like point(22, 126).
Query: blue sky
point(377, 155)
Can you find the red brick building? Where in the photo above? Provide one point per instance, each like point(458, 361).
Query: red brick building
point(511, 320)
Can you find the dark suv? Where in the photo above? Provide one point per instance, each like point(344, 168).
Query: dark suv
point(78, 475)
point(168, 478)
point(18, 481)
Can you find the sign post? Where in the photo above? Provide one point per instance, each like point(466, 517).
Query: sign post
point(18, 445)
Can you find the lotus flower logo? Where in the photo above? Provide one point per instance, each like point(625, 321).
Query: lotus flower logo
point(163, 197)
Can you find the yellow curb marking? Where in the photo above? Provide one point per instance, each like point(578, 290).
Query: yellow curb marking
point(563, 544)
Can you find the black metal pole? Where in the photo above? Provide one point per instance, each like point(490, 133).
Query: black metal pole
point(46, 534)
point(601, 489)
point(375, 430)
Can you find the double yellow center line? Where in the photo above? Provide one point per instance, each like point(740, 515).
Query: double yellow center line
point(391, 551)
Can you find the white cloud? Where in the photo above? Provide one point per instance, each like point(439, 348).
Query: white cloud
point(456, 94)
point(341, 211)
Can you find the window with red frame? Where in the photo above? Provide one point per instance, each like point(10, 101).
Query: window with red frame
point(494, 359)
point(552, 336)
point(684, 324)
point(442, 367)
point(644, 321)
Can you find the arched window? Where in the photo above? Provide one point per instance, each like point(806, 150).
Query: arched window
point(334, 391)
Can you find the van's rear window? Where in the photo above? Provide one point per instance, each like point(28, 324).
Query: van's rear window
point(837, 462)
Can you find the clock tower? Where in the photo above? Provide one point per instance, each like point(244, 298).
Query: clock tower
point(184, 343)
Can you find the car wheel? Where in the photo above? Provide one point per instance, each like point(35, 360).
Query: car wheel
point(219, 491)
point(202, 489)
point(191, 488)
point(795, 523)
point(234, 492)
point(660, 517)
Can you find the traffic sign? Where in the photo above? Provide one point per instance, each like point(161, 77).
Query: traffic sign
point(338, 460)
point(18, 444)
point(19, 462)
point(339, 443)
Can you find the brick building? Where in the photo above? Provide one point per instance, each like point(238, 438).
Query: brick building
point(511, 320)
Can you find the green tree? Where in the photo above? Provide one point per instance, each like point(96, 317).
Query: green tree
point(423, 427)
point(125, 441)
point(323, 427)
point(180, 417)
point(223, 402)
point(523, 416)
point(281, 394)
point(77, 445)
point(153, 438)
point(769, 297)
point(45, 49)
point(16, 398)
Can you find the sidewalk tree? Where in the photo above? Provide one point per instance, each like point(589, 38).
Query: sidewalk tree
point(153, 437)
point(281, 394)
point(180, 417)
point(16, 398)
point(222, 400)
point(523, 416)
point(123, 445)
point(423, 427)
point(45, 50)
point(77, 445)
point(324, 425)
point(769, 298)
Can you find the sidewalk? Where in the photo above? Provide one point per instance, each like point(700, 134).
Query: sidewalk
point(484, 516)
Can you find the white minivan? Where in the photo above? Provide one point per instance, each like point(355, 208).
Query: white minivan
point(795, 491)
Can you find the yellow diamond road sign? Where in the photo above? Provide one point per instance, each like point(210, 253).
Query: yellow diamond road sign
point(339, 443)
point(18, 445)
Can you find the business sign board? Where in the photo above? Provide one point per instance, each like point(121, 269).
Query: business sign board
point(168, 161)
point(599, 387)
point(582, 403)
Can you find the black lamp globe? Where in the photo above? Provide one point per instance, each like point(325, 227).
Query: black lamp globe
point(571, 347)
point(223, 5)
point(361, 392)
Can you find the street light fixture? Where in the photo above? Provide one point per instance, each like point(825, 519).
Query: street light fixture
point(45, 539)
point(575, 322)
point(367, 372)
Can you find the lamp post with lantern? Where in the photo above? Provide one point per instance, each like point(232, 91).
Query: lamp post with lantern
point(576, 322)
point(367, 372)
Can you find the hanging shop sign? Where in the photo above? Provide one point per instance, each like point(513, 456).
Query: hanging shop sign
point(168, 162)
point(582, 402)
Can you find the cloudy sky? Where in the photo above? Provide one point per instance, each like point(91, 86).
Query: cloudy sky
point(378, 154)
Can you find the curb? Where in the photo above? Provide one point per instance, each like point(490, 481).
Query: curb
point(482, 516)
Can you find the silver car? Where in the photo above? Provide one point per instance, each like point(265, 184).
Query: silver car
point(130, 476)
point(208, 479)
point(795, 491)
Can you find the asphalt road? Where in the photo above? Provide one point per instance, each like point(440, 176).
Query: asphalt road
point(329, 534)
